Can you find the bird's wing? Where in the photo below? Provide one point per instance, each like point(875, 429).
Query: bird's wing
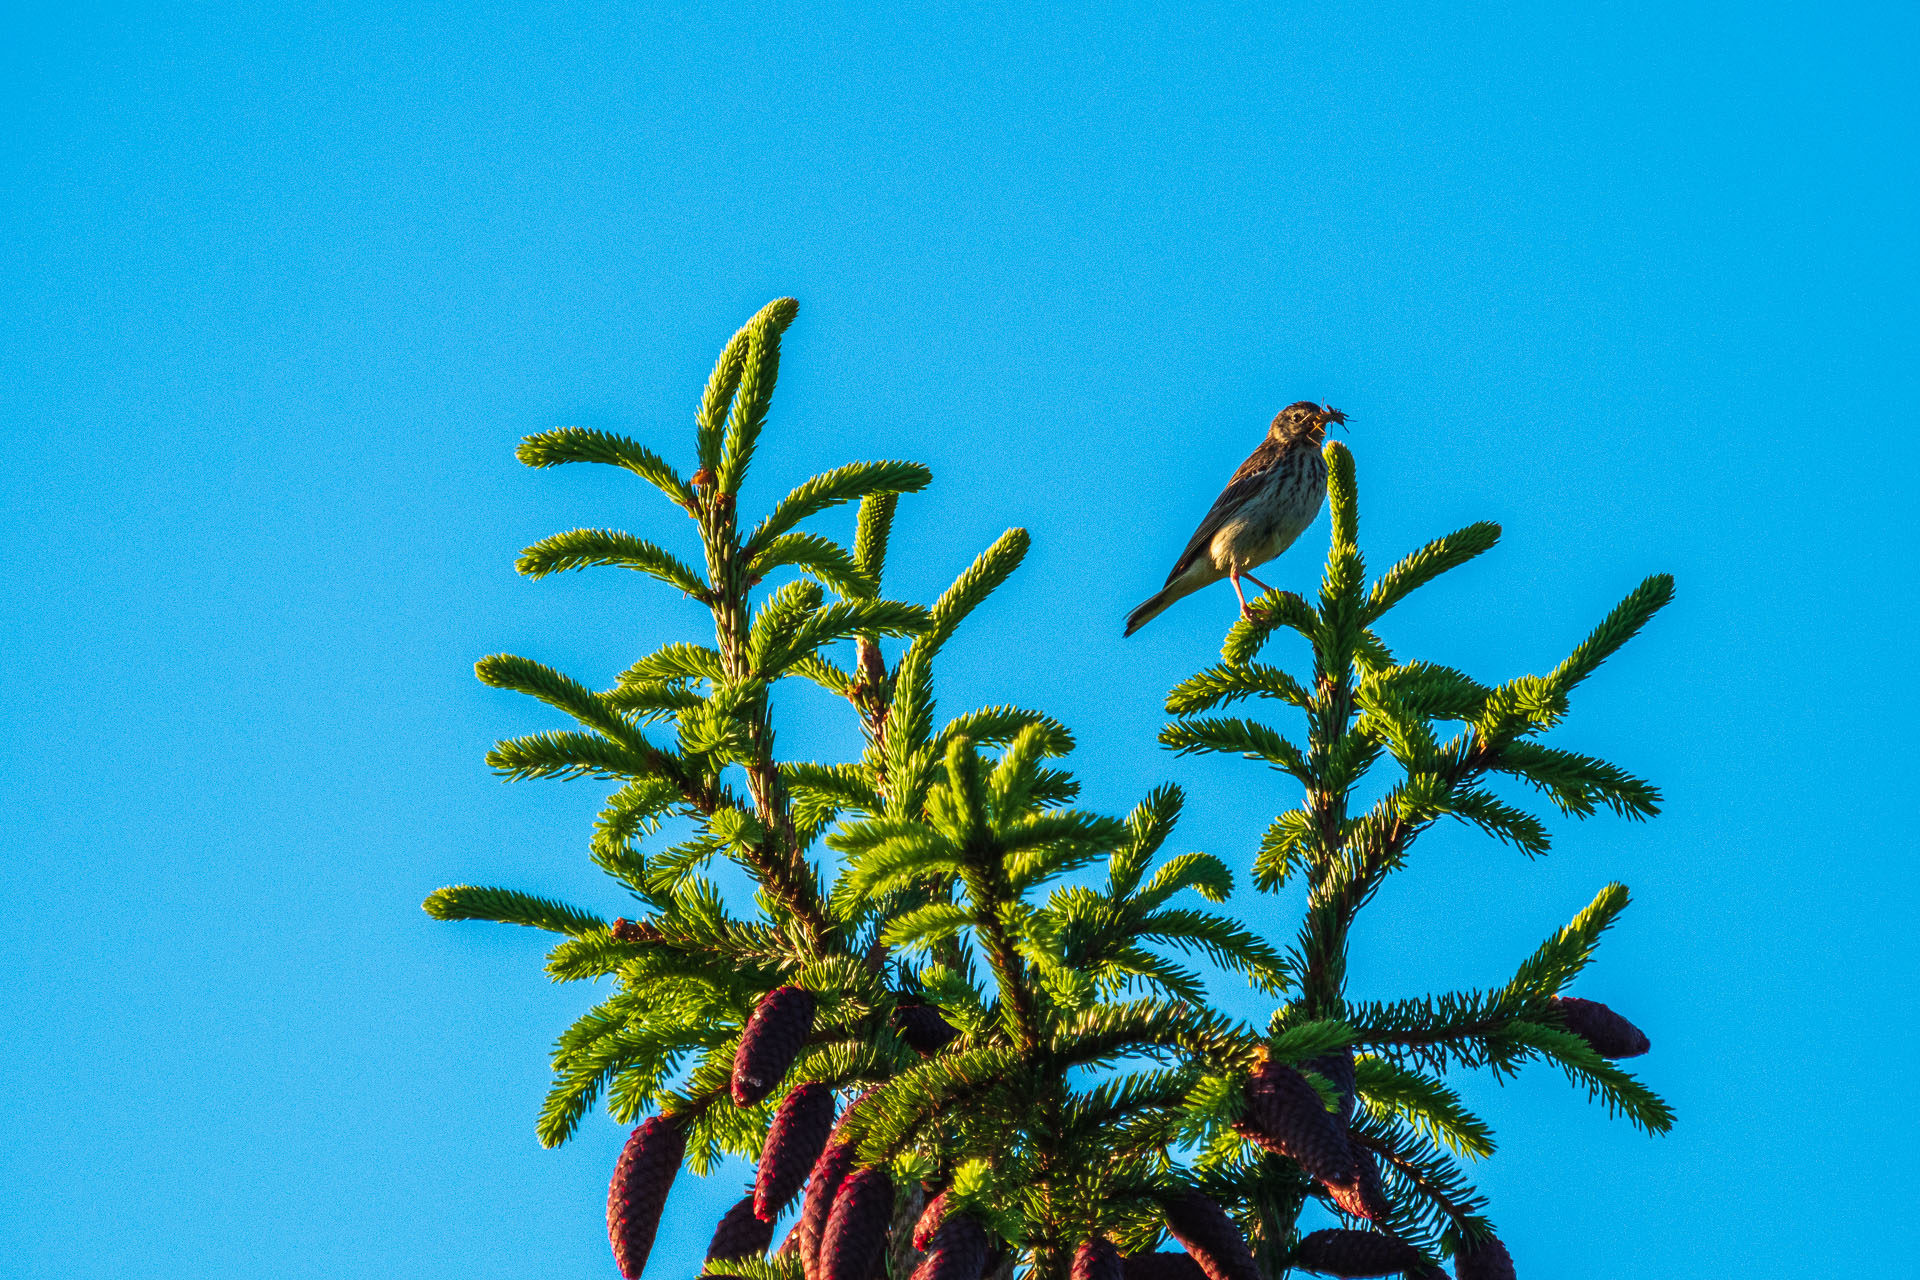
point(1247, 481)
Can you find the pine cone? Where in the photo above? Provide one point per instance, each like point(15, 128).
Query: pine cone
point(1160, 1266)
point(1097, 1259)
point(1611, 1035)
point(922, 1027)
point(930, 1219)
point(1363, 1197)
point(1483, 1260)
point(1338, 1068)
point(772, 1040)
point(1284, 1113)
point(633, 931)
point(958, 1251)
point(1355, 1253)
point(856, 1233)
point(823, 1184)
point(794, 1142)
point(1209, 1235)
point(741, 1234)
point(641, 1180)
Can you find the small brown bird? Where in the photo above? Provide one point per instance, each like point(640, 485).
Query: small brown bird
point(1269, 502)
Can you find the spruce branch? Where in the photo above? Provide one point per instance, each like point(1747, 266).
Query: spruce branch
point(1424, 1104)
point(872, 530)
point(722, 384)
point(996, 726)
point(776, 624)
point(635, 809)
point(923, 927)
point(759, 370)
point(1218, 686)
point(564, 753)
point(578, 444)
point(1201, 872)
point(581, 548)
point(820, 557)
point(1561, 958)
point(982, 578)
point(820, 671)
point(1298, 1041)
point(906, 761)
point(678, 661)
point(1236, 736)
point(1272, 611)
point(1429, 1194)
point(1424, 689)
point(1148, 827)
point(1343, 499)
point(1500, 820)
point(1622, 1095)
point(842, 621)
point(1579, 784)
point(523, 675)
point(1284, 849)
point(1429, 562)
point(850, 483)
point(652, 701)
point(1620, 625)
point(509, 906)
point(821, 791)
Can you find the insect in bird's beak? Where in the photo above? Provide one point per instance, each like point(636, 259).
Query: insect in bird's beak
point(1332, 414)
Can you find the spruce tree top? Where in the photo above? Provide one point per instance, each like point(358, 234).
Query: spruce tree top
point(945, 880)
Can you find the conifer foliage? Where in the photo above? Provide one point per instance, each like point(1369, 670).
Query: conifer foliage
point(954, 986)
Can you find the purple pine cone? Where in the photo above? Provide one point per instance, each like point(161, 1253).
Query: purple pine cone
point(856, 1233)
point(823, 1184)
point(1355, 1253)
point(1483, 1260)
point(958, 1251)
point(1611, 1035)
point(741, 1234)
point(1363, 1197)
point(1097, 1259)
point(645, 1173)
point(1209, 1235)
point(929, 1222)
point(1284, 1113)
point(799, 1132)
point(922, 1028)
point(773, 1039)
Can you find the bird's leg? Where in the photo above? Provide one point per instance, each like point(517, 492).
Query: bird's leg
point(1245, 611)
point(1234, 576)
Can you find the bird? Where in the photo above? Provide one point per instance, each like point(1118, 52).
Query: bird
point(1269, 502)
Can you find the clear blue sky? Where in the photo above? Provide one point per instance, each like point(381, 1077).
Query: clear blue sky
point(281, 290)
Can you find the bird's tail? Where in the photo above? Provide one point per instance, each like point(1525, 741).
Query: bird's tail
point(1156, 604)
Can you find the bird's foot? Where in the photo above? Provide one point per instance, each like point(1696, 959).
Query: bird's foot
point(1262, 613)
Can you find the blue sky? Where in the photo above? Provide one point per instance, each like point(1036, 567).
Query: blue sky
point(282, 288)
